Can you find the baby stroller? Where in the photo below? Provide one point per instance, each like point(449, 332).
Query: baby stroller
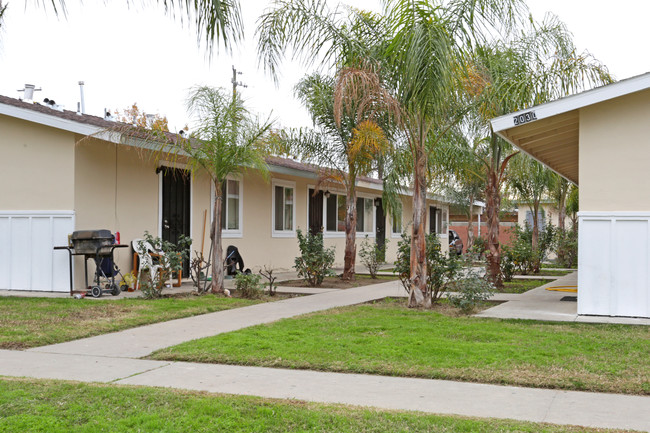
point(107, 271)
point(234, 260)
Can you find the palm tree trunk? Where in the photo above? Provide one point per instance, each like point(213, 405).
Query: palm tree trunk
point(350, 256)
point(470, 224)
point(561, 213)
point(418, 295)
point(492, 205)
point(535, 238)
point(215, 236)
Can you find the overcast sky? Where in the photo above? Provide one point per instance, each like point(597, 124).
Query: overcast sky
point(137, 54)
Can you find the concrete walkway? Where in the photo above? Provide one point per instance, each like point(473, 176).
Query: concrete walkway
point(111, 359)
point(142, 341)
point(432, 396)
point(542, 304)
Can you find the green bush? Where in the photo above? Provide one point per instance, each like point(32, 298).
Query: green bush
point(520, 257)
point(567, 248)
point(248, 285)
point(471, 290)
point(372, 255)
point(479, 248)
point(315, 261)
point(442, 269)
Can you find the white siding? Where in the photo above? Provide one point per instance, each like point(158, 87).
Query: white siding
point(27, 258)
point(613, 262)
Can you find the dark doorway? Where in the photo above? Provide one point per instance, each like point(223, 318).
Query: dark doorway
point(315, 211)
point(380, 223)
point(432, 219)
point(176, 207)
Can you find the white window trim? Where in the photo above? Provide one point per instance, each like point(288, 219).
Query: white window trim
point(341, 234)
point(283, 233)
point(373, 233)
point(225, 233)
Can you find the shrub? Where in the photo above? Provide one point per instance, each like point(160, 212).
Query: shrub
point(315, 261)
point(267, 273)
point(470, 292)
point(372, 255)
point(479, 248)
point(507, 264)
point(520, 256)
point(442, 269)
point(248, 285)
point(567, 248)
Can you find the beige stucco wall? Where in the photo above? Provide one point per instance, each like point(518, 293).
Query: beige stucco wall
point(615, 154)
point(257, 245)
point(116, 188)
point(38, 165)
point(550, 213)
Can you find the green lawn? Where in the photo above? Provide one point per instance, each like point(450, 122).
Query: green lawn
point(30, 322)
point(388, 339)
point(521, 286)
point(60, 407)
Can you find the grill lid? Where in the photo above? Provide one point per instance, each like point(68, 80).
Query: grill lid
point(91, 235)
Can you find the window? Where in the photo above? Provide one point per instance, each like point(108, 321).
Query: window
point(397, 223)
point(231, 210)
point(435, 220)
point(336, 208)
point(365, 215)
point(541, 221)
point(284, 209)
point(335, 213)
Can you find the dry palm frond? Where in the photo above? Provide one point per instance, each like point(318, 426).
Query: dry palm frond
point(359, 91)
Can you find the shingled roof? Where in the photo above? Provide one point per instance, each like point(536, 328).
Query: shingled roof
point(103, 124)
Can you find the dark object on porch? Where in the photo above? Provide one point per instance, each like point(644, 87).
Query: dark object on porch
point(570, 298)
point(233, 260)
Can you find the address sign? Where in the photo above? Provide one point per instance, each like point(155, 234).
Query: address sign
point(529, 116)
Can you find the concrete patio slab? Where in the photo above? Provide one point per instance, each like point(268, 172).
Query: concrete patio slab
point(543, 304)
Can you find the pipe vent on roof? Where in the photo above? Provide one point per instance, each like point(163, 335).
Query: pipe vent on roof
point(29, 90)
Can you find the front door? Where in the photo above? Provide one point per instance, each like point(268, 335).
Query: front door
point(315, 211)
point(176, 207)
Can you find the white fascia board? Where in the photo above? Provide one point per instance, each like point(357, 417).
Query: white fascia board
point(574, 102)
point(47, 120)
point(291, 171)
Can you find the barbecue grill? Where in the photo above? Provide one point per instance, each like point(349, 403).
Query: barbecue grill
point(99, 246)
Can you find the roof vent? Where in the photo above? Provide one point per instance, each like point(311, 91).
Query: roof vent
point(52, 104)
point(108, 116)
point(29, 92)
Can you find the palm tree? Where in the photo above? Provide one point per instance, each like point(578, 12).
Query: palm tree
point(539, 66)
point(415, 47)
point(226, 142)
point(215, 20)
point(532, 182)
point(345, 143)
point(559, 192)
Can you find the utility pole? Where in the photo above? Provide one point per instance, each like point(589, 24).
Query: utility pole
point(234, 81)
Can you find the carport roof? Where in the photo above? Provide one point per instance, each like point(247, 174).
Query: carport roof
point(550, 132)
